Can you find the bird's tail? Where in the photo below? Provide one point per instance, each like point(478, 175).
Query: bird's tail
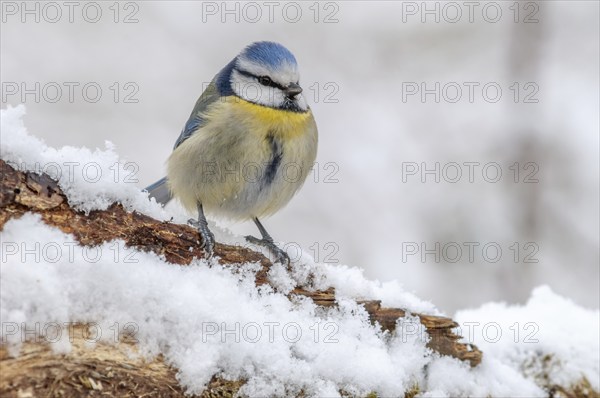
point(160, 191)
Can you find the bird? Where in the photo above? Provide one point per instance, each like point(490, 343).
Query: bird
point(247, 146)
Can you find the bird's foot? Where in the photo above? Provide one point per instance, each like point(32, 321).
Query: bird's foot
point(280, 255)
point(208, 239)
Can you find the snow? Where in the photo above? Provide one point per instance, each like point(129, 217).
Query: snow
point(203, 319)
point(206, 319)
point(547, 326)
point(92, 180)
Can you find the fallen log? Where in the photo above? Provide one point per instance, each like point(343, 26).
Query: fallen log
point(23, 192)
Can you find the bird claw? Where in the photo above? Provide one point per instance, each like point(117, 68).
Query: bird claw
point(280, 255)
point(208, 239)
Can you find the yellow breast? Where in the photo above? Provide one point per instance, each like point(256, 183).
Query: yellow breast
point(262, 118)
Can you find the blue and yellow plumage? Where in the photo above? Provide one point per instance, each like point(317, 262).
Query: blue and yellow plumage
point(247, 146)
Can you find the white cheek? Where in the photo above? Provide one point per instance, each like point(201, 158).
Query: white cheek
point(250, 90)
point(254, 92)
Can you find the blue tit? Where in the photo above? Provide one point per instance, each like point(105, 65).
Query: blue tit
point(247, 146)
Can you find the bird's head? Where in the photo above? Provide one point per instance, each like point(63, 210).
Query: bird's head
point(266, 73)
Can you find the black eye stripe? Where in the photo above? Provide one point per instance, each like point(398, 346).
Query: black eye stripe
point(271, 84)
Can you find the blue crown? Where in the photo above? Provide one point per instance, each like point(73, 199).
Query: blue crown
point(268, 53)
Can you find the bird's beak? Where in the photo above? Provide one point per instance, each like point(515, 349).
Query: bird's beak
point(292, 90)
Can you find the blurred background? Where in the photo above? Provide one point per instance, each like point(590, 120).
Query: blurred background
point(459, 143)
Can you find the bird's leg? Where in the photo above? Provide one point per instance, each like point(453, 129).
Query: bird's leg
point(208, 239)
point(266, 241)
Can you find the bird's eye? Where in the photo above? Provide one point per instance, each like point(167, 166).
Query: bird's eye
point(265, 80)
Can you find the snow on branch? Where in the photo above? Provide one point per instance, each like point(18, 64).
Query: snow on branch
point(25, 192)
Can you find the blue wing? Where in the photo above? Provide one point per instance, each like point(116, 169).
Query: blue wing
point(160, 189)
point(196, 119)
point(218, 87)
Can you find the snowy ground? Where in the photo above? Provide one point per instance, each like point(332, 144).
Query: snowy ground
point(207, 320)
